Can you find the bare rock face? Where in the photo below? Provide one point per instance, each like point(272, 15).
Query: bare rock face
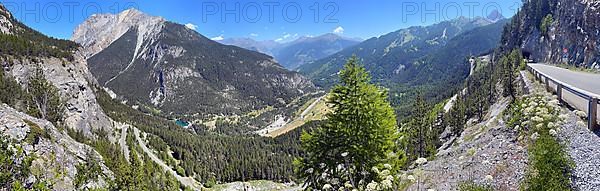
point(99, 31)
point(82, 112)
point(575, 29)
point(55, 156)
point(6, 26)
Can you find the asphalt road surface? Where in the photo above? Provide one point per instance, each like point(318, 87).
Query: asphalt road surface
point(588, 82)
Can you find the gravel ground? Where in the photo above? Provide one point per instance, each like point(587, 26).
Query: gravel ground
point(583, 146)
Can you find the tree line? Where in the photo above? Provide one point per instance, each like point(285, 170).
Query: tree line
point(360, 135)
point(207, 155)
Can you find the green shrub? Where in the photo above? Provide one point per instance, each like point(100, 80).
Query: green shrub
point(472, 186)
point(211, 182)
point(546, 22)
point(549, 165)
point(180, 171)
point(35, 132)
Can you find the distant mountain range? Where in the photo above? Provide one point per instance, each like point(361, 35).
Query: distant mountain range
point(427, 59)
point(155, 63)
point(296, 53)
point(266, 47)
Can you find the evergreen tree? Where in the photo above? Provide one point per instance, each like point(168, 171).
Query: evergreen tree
point(10, 90)
point(44, 100)
point(416, 130)
point(456, 116)
point(90, 170)
point(359, 133)
point(511, 64)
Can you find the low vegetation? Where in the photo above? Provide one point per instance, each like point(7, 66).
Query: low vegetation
point(15, 168)
point(472, 186)
point(537, 120)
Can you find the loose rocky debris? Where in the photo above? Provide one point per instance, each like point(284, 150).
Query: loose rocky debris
point(258, 185)
point(486, 153)
point(55, 156)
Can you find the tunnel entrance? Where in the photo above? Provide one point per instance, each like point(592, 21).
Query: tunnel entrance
point(526, 55)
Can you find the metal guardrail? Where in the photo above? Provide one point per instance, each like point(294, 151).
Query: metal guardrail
point(592, 99)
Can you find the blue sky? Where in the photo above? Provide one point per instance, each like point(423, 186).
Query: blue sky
point(262, 19)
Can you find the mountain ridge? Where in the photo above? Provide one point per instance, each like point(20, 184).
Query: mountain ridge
point(297, 52)
point(174, 66)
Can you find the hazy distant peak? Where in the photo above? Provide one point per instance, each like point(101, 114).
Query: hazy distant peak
point(495, 16)
point(327, 37)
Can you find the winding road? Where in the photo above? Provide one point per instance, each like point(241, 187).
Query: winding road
point(186, 181)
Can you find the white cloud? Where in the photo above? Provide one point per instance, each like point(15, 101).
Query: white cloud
point(191, 26)
point(253, 34)
point(286, 37)
point(217, 38)
point(338, 30)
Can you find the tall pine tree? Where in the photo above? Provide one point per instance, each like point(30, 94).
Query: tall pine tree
point(359, 133)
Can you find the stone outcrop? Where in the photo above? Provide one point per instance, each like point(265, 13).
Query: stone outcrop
point(576, 29)
point(74, 83)
point(55, 156)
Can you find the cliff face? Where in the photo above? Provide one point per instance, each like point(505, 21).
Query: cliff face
point(575, 28)
point(51, 156)
point(82, 111)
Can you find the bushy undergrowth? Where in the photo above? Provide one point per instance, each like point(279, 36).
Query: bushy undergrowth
point(472, 186)
point(537, 120)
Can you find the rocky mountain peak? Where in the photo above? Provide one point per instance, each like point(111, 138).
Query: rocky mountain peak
point(100, 30)
point(6, 25)
point(495, 16)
